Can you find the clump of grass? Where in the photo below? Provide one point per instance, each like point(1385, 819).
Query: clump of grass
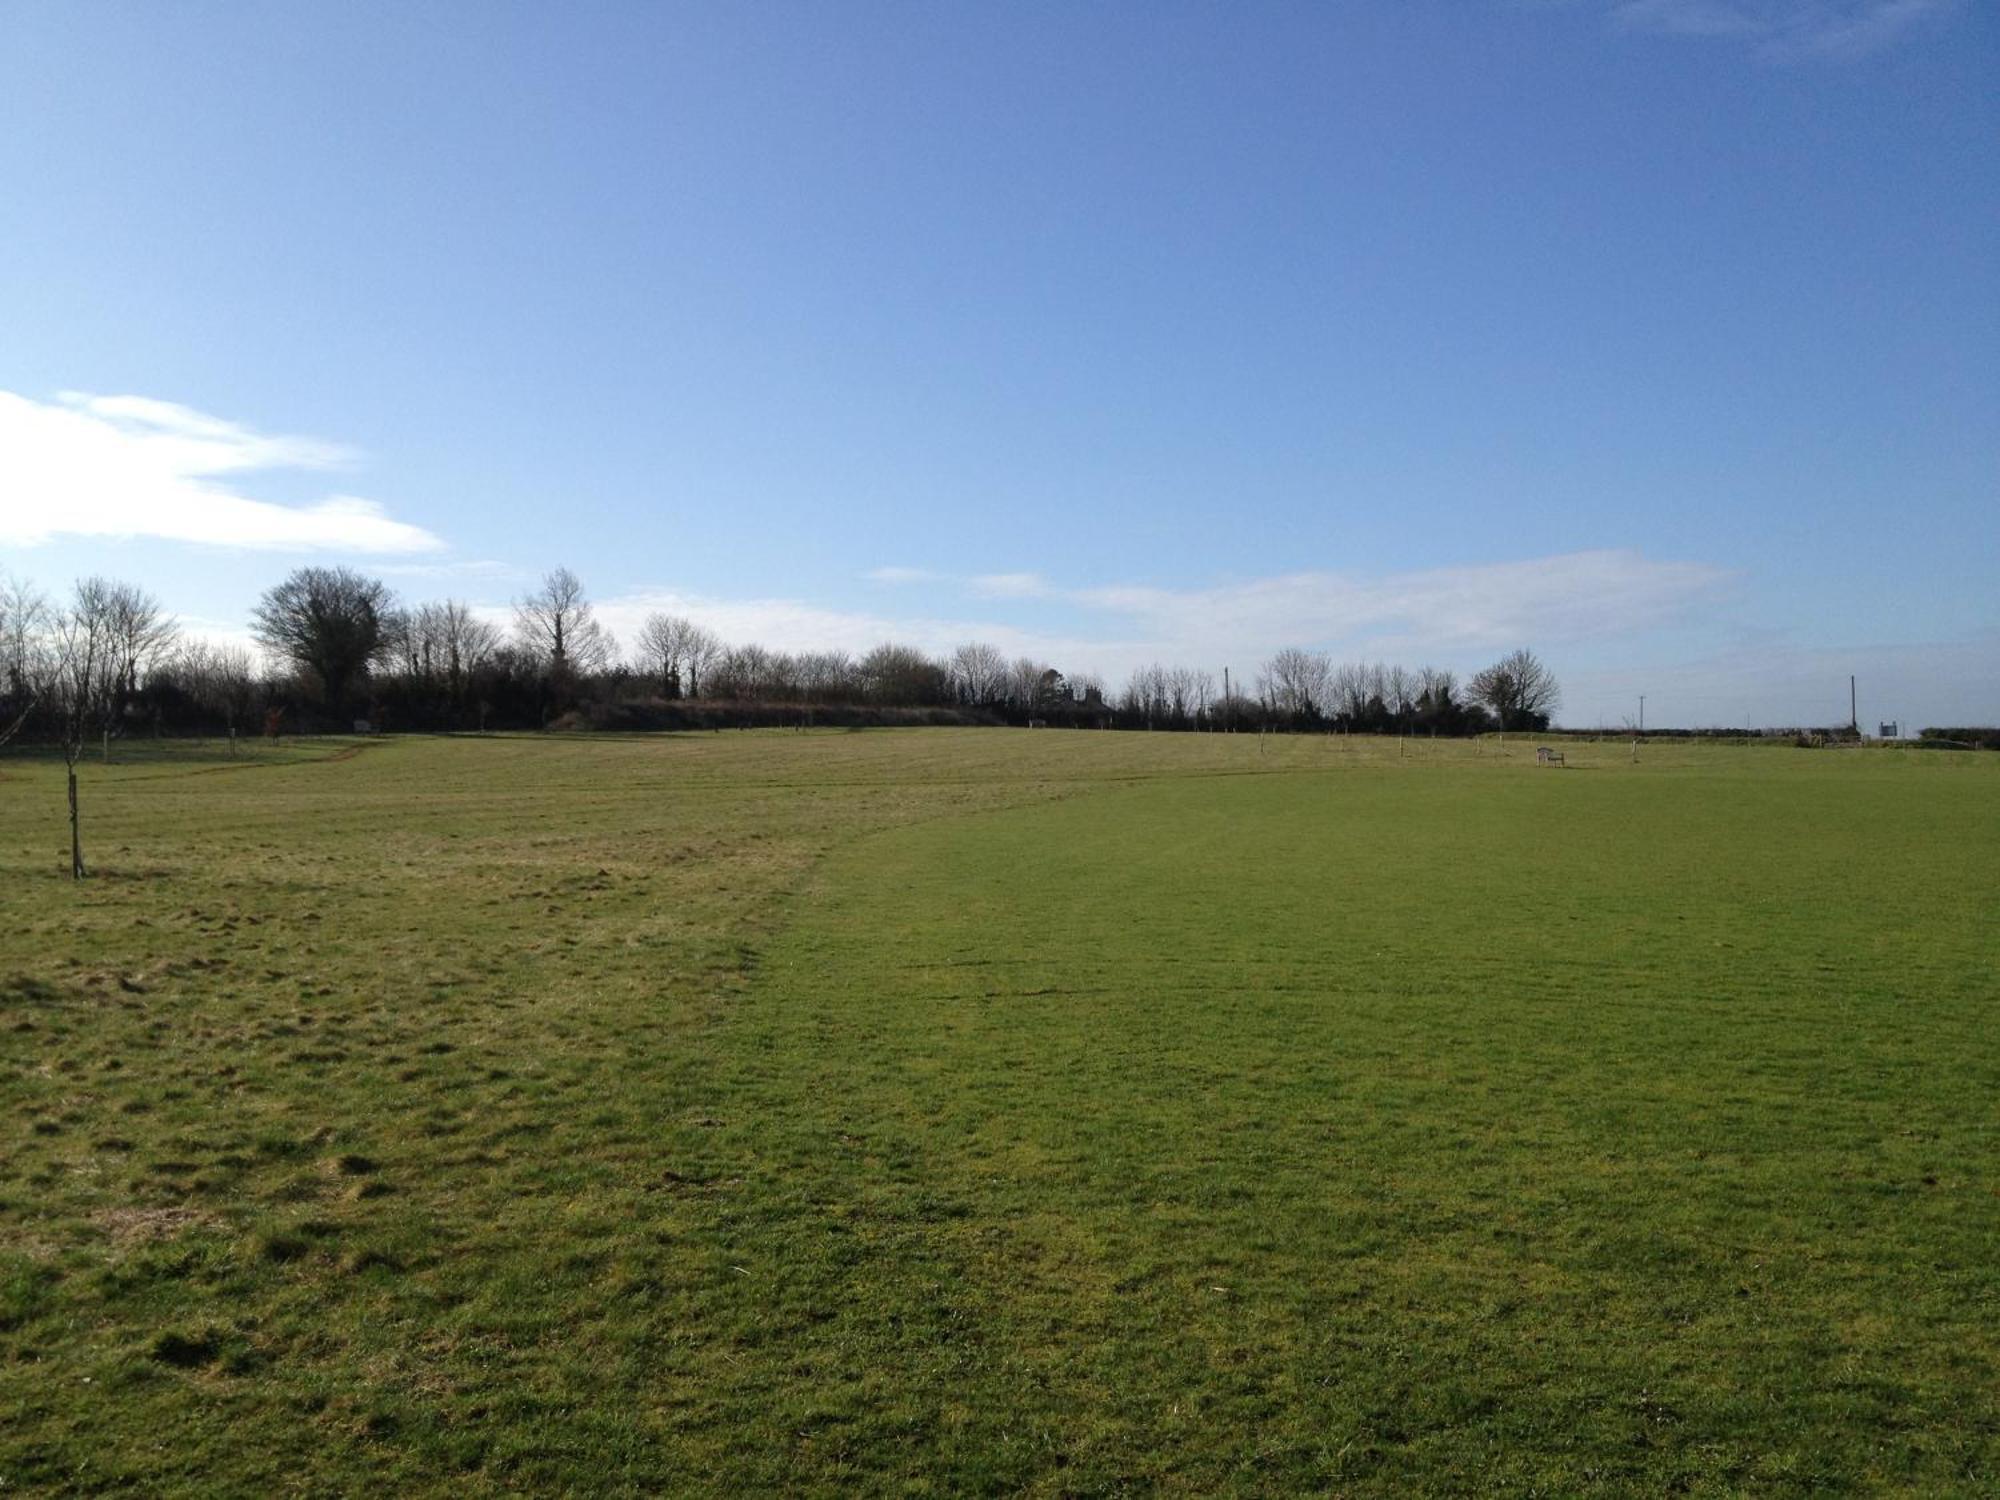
point(354, 1262)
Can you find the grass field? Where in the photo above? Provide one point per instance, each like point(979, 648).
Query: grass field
point(991, 1111)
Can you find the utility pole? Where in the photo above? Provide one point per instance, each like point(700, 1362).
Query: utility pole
point(1228, 712)
point(1642, 713)
point(1853, 713)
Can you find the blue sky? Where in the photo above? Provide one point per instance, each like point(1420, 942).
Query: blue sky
point(1662, 336)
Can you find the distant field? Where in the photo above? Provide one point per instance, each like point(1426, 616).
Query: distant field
point(969, 1111)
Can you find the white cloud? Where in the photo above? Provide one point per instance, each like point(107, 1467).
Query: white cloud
point(130, 466)
point(1786, 28)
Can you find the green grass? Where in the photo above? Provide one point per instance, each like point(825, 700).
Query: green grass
point(992, 1111)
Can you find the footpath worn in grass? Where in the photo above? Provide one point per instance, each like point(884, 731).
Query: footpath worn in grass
point(961, 1111)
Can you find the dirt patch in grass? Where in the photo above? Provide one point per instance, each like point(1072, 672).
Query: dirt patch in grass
point(135, 1226)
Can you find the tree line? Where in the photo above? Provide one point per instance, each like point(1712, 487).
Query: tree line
point(339, 646)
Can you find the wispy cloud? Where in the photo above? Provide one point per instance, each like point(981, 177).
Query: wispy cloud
point(1447, 614)
point(1574, 595)
point(1577, 594)
point(1009, 585)
point(1689, 17)
point(485, 570)
point(131, 466)
point(1794, 29)
point(987, 585)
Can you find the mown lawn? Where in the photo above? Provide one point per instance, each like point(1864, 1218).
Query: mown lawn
point(993, 1111)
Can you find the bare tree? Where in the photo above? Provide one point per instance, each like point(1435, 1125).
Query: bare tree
point(1351, 686)
point(557, 624)
point(782, 677)
point(24, 617)
point(437, 649)
point(1146, 694)
point(677, 651)
point(900, 675)
point(700, 650)
point(1519, 689)
point(221, 679)
point(1298, 683)
point(1188, 693)
point(979, 673)
point(329, 622)
point(1204, 691)
point(1399, 694)
point(135, 633)
point(659, 650)
point(1024, 683)
point(465, 642)
point(824, 676)
point(741, 672)
point(403, 646)
point(75, 688)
